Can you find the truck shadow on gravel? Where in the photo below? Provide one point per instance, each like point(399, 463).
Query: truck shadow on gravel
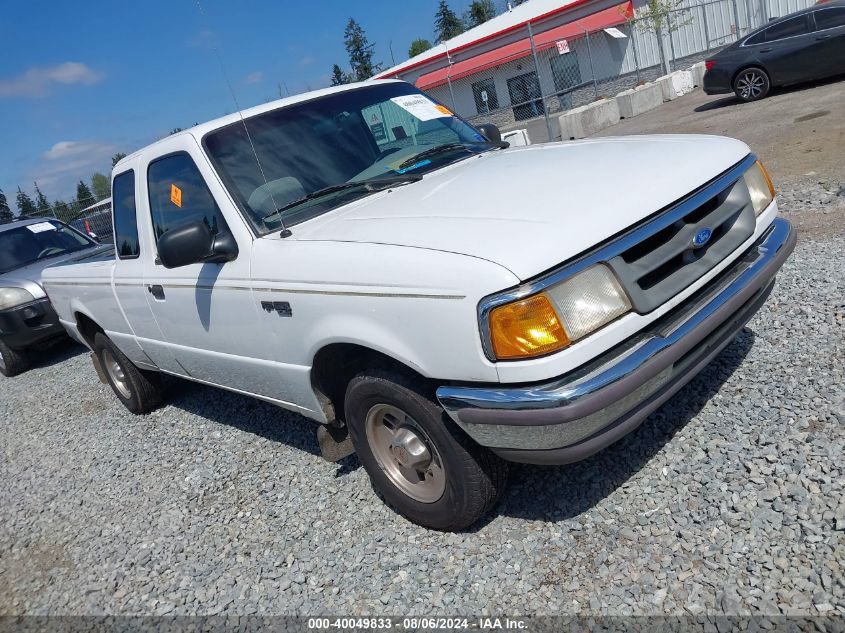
point(553, 493)
point(56, 353)
point(557, 493)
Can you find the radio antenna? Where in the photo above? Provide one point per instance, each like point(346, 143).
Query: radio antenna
point(285, 231)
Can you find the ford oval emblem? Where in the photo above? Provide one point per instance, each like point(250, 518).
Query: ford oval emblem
point(701, 238)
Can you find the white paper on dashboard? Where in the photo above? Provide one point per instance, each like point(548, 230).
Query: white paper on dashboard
point(421, 107)
point(40, 227)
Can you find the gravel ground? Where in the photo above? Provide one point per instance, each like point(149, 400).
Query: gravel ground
point(730, 499)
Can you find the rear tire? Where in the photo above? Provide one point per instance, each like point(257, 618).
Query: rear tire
point(12, 362)
point(424, 466)
point(139, 391)
point(751, 84)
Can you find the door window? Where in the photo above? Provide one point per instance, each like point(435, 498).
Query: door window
point(125, 218)
point(787, 28)
point(178, 194)
point(830, 18)
point(484, 93)
point(565, 71)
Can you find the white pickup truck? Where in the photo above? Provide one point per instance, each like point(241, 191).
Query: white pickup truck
point(364, 257)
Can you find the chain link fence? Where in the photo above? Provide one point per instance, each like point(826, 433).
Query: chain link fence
point(91, 216)
point(547, 68)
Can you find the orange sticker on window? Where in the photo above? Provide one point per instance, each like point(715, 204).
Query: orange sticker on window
point(176, 196)
point(444, 110)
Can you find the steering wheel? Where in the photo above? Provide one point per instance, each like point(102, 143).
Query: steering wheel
point(50, 250)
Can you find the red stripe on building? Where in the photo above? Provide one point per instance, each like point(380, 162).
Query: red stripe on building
point(516, 50)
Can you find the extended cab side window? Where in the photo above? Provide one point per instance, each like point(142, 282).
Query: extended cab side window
point(125, 218)
point(178, 194)
point(787, 28)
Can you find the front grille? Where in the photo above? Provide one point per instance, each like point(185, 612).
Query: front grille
point(660, 266)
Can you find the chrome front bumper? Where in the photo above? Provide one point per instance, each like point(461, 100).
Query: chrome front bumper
point(576, 415)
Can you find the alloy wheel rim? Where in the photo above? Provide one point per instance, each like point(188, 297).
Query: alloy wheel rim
point(116, 374)
point(2, 361)
point(751, 85)
point(405, 453)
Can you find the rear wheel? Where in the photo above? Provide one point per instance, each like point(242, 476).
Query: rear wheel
point(421, 463)
point(139, 391)
point(751, 84)
point(12, 362)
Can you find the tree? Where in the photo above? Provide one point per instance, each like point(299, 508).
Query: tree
point(83, 195)
point(661, 17)
point(360, 52)
point(6, 214)
point(42, 205)
point(100, 185)
point(418, 46)
point(62, 211)
point(479, 12)
point(26, 207)
point(447, 24)
point(338, 76)
point(117, 158)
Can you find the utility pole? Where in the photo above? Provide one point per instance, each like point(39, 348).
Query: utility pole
point(390, 46)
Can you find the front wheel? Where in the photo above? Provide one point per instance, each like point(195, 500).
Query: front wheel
point(139, 391)
point(12, 362)
point(752, 84)
point(423, 465)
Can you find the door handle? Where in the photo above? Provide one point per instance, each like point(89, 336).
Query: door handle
point(156, 291)
point(765, 50)
point(822, 37)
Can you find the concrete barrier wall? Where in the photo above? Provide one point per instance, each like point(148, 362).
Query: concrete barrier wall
point(589, 119)
point(638, 100)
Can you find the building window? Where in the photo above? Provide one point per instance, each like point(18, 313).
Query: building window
point(526, 98)
point(485, 95)
point(565, 71)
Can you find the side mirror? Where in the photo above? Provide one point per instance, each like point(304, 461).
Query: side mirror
point(492, 134)
point(193, 243)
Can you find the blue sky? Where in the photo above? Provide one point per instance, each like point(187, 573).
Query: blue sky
point(79, 82)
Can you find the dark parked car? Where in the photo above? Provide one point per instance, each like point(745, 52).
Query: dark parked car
point(27, 319)
point(802, 46)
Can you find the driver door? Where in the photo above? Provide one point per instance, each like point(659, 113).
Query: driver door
point(205, 311)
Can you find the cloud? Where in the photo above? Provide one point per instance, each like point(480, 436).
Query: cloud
point(66, 162)
point(254, 77)
point(307, 61)
point(67, 149)
point(36, 82)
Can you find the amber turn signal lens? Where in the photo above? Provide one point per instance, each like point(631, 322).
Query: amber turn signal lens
point(768, 178)
point(526, 328)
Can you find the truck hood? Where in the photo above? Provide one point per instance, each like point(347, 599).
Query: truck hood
point(531, 208)
point(29, 277)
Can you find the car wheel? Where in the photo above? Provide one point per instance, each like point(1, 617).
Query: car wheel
point(12, 362)
point(751, 84)
point(139, 391)
point(422, 464)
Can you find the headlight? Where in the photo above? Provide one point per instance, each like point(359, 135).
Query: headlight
point(760, 187)
point(551, 320)
point(11, 297)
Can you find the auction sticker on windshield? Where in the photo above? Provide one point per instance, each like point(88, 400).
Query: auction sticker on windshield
point(421, 107)
point(40, 227)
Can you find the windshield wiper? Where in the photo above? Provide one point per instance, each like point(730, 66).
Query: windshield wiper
point(434, 151)
point(372, 185)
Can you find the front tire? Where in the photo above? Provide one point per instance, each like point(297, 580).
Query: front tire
point(12, 362)
point(139, 391)
point(751, 84)
point(422, 464)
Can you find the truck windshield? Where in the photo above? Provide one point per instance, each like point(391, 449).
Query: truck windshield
point(24, 245)
point(307, 151)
